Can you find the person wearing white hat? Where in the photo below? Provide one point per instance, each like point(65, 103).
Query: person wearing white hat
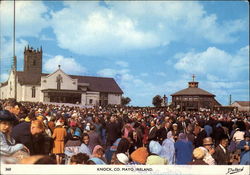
point(122, 158)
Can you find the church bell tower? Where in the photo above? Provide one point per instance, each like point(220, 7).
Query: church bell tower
point(33, 60)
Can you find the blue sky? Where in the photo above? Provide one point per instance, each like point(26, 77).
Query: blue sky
point(149, 47)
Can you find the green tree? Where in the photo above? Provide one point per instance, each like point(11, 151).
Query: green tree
point(157, 100)
point(125, 101)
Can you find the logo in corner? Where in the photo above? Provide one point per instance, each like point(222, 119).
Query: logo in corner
point(234, 170)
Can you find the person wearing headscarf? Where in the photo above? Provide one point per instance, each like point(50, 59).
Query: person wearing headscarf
point(139, 156)
point(183, 150)
point(168, 149)
point(127, 129)
point(154, 158)
point(98, 153)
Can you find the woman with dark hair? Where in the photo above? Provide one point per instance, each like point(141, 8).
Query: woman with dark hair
point(123, 147)
point(136, 141)
point(84, 148)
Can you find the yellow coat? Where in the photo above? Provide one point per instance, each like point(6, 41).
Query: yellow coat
point(59, 135)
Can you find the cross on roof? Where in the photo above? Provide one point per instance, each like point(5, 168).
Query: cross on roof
point(193, 76)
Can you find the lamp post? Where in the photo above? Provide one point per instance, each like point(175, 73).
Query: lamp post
point(14, 52)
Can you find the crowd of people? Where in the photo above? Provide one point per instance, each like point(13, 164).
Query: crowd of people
point(37, 133)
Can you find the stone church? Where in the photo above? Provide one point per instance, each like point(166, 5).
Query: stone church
point(35, 86)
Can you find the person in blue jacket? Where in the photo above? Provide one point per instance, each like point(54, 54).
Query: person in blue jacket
point(244, 146)
point(183, 150)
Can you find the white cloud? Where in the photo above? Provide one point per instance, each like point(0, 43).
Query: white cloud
point(6, 53)
point(98, 32)
point(122, 63)
point(30, 19)
point(214, 62)
point(46, 38)
point(7, 48)
point(91, 29)
point(68, 65)
point(141, 92)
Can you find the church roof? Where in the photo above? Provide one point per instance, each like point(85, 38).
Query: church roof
point(243, 103)
point(25, 78)
point(97, 84)
point(193, 91)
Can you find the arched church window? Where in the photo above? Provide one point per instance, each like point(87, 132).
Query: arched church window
point(33, 92)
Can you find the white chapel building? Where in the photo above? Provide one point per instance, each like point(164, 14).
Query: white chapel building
point(35, 86)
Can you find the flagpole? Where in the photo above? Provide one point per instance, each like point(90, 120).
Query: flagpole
point(14, 52)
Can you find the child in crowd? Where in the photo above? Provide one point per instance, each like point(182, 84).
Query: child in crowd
point(7, 144)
